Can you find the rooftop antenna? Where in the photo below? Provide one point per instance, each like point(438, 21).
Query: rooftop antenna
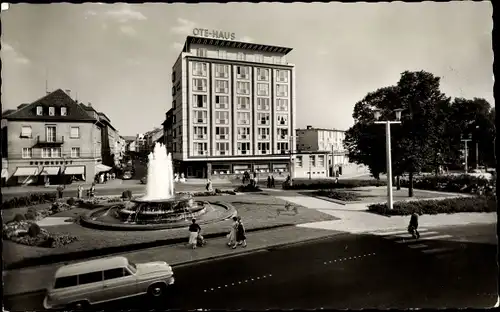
point(46, 81)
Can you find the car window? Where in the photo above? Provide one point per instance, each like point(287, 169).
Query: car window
point(67, 281)
point(113, 273)
point(88, 278)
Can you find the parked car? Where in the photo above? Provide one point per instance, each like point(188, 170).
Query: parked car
point(127, 175)
point(97, 281)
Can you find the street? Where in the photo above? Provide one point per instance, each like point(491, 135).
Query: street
point(347, 271)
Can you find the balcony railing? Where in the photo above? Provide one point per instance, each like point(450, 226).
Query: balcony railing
point(50, 140)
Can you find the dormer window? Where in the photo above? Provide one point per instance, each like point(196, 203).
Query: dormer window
point(52, 111)
point(64, 111)
point(39, 111)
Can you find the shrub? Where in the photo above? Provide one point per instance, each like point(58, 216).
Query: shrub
point(331, 184)
point(30, 216)
point(127, 194)
point(218, 191)
point(19, 217)
point(448, 183)
point(450, 205)
point(34, 230)
point(70, 201)
point(30, 200)
point(340, 195)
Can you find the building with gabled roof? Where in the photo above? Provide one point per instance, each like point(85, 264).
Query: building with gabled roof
point(52, 140)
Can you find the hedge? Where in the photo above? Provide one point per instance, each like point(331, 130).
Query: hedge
point(449, 205)
point(340, 195)
point(33, 199)
point(331, 184)
point(449, 183)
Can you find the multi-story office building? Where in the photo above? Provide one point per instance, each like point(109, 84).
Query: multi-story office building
point(330, 141)
point(233, 108)
point(51, 139)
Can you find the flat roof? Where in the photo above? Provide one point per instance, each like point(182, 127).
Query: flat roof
point(322, 129)
point(91, 266)
point(235, 44)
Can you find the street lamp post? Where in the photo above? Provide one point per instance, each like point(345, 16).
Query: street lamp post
point(388, 124)
point(291, 171)
point(466, 154)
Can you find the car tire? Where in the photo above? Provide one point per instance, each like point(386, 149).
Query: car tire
point(157, 290)
point(79, 305)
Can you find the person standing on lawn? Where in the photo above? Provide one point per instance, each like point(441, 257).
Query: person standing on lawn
point(194, 230)
point(60, 190)
point(80, 191)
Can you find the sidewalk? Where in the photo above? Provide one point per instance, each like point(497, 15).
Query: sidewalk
point(355, 219)
point(37, 278)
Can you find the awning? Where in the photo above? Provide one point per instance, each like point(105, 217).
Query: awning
point(101, 168)
point(5, 174)
point(73, 170)
point(50, 171)
point(25, 171)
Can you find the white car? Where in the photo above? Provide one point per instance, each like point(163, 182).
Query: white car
point(97, 281)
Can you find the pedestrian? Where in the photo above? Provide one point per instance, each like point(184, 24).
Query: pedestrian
point(60, 190)
point(268, 181)
point(232, 232)
point(413, 226)
point(194, 230)
point(272, 181)
point(240, 234)
point(80, 191)
point(209, 186)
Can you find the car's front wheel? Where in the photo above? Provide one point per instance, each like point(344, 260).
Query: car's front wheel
point(157, 290)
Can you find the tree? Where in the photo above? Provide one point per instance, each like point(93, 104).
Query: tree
point(419, 138)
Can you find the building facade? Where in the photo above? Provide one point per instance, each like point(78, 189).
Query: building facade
point(311, 165)
point(233, 108)
point(51, 140)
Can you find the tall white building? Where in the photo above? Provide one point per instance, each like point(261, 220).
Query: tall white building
point(233, 108)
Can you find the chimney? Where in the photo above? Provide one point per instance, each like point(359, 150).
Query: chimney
point(68, 92)
point(309, 127)
point(89, 105)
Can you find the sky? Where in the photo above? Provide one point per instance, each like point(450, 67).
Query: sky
point(119, 57)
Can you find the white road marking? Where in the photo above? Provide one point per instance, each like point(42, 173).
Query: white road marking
point(436, 250)
point(409, 235)
point(395, 232)
point(417, 246)
point(435, 237)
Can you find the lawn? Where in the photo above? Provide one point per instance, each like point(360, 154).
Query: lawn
point(256, 211)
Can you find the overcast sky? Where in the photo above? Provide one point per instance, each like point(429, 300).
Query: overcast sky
point(119, 57)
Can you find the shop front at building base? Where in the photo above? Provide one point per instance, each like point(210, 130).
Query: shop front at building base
point(231, 169)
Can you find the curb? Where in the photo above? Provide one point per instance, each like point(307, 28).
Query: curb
point(108, 251)
point(239, 253)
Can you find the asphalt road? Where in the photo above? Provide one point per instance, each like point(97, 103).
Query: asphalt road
point(347, 271)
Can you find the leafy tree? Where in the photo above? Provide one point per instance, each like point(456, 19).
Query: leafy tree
point(419, 138)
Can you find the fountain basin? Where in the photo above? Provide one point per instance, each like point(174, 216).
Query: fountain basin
point(213, 212)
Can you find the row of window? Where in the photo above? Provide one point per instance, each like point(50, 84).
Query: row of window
point(243, 148)
point(312, 161)
point(242, 87)
point(243, 102)
point(243, 133)
point(63, 111)
point(50, 152)
point(50, 133)
point(241, 56)
point(242, 72)
point(242, 118)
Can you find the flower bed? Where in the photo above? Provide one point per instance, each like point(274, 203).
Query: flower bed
point(331, 184)
point(21, 232)
point(339, 195)
point(247, 188)
point(450, 205)
point(31, 200)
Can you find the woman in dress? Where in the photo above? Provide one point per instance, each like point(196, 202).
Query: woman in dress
point(232, 233)
point(240, 234)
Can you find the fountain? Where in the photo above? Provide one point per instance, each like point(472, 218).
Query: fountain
point(160, 203)
point(160, 207)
